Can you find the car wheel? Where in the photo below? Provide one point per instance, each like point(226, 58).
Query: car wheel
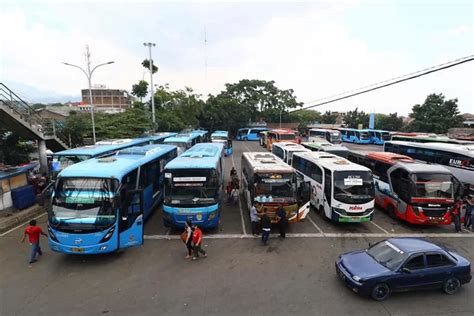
point(451, 286)
point(380, 292)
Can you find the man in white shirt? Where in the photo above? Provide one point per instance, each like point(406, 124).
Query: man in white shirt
point(254, 219)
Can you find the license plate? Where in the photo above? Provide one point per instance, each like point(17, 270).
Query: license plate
point(78, 250)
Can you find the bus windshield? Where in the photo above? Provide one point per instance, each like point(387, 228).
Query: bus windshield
point(429, 185)
point(274, 186)
point(69, 160)
point(83, 204)
point(385, 136)
point(353, 187)
point(287, 136)
point(221, 138)
point(335, 137)
point(190, 187)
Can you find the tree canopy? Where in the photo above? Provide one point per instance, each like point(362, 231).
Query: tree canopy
point(352, 119)
point(329, 118)
point(146, 64)
point(140, 90)
point(390, 122)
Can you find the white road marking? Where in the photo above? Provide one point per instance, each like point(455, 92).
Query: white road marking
point(21, 225)
point(168, 232)
point(379, 227)
point(466, 230)
point(319, 235)
point(314, 224)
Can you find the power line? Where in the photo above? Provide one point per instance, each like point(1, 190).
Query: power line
point(389, 82)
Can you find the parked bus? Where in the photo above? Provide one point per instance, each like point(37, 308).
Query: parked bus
point(270, 182)
point(459, 159)
point(337, 150)
point(183, 141)
point(413, 191)
point(159, 138)
point(378, 137)
point(203, 135)
point(356, 136)
point(68, 157)
point(99, 205)
point(194, 187)
point(281, 135)
point(249, 133)
point(223, 137)
point(430, 139)
point(342, 191)
point(285, 150)
point(331, 135)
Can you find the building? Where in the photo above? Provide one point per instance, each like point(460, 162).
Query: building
point(107, 100)
point(57, 113)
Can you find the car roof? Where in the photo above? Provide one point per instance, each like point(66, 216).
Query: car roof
point(410, 245)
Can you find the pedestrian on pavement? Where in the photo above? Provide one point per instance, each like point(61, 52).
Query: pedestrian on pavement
point(189, 238)
point(33, 233)
point(229, 188)
point(266, 227)
point(197, 241)
point(282, 221)
point(254, 219)
point(233, 172)
point(469, 215)
point(457, 215)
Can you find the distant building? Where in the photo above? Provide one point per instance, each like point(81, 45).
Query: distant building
point(106, 100)
point(468, 120)
point(57, 113)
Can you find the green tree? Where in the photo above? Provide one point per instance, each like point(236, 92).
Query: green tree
point(146, 64)
point(13, 149)
point(329, 118)
point(140, 90)
point(391, 122)
point(435, 115)
point(352, 119)
point(78, 126)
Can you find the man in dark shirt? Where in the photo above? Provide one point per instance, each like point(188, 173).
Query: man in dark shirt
point(282, 221)
point(266, 227)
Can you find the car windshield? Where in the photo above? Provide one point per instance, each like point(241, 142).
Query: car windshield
point(353, 187)
point(83, 204)
point(387, 254)
point(432, 185)
point(287, 136)
point(188, 187)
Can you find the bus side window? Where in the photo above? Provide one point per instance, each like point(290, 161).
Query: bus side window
point(380, 170)
point(130, 180)
point(327, 185)
point(316, 173)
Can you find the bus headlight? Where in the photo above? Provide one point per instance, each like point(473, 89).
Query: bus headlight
point(51, 234)
point(212, 215)
point(108, 235)
point(340, 211)
point(368, 211)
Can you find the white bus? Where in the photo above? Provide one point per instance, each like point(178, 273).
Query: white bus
point(341, 190)
point(285, 150)
point(330, 135)
point(459, 159)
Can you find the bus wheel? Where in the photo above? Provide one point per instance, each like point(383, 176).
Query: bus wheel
point(391, 211)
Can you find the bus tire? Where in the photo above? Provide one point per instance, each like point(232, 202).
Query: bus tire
point(391, 211)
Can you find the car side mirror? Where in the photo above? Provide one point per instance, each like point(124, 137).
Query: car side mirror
point(406, 270)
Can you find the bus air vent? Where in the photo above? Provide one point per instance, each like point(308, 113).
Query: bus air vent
point(107, 159)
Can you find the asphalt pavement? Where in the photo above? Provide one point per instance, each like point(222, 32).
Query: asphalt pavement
point(240, 277)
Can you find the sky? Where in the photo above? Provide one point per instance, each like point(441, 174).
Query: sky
point(317, 48)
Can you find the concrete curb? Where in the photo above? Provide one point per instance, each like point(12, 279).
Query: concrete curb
point(19, 218)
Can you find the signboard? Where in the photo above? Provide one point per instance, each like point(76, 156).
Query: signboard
point(353, 181)
point(189, 179)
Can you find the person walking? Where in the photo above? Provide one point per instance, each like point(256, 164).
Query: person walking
point(457, 215)
point(254, 219)
point(188, 229)
point(197, 241)
point(282, 221)
point(469, 215)
point(266, 227)
point(33, 233)
point(229, 188)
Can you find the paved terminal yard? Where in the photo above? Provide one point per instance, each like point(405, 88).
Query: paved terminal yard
point(240, 277)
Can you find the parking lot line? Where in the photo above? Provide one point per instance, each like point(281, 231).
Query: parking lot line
point(320, 235)
point(379, 227)
point(314, 224)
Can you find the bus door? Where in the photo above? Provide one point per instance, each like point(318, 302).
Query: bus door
point(131, 220)
point(303, 195)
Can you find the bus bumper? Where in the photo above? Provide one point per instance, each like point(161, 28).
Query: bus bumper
point(367, 216)
point(205, 217)
point(82, 249)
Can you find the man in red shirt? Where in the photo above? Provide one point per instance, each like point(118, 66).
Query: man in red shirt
point(197, 240)
point(33, 233)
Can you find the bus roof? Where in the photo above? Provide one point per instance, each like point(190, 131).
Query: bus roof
point(433, 138)
point(94, 150)
point(200, 156)
point(119, 165)
point(376, 130)
point(180, 138)
point(467, 150)
point(266, 162)
point(290, 146)
point(283, 131)
point(220, 133)
point(331, 162)
point(255, 128)
point(408, 163)
point(324, 130)
point(160, 136)
point(388, 157)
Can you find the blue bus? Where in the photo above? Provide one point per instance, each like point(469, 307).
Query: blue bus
point(378, 136)
point(68, 157)
point(203, 135)
point(356, 136)
point(183, 141)
point(223, 137)
point(99, 205)
point(194, 187)
point(159, 138)
point(250, 133)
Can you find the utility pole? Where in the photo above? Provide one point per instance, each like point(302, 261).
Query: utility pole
point(150, 64)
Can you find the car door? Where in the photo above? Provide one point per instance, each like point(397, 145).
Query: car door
point(412, 273)
point(438, 269)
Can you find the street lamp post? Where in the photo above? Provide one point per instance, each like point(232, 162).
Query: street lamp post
point(88, 74)
point(150, 64)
